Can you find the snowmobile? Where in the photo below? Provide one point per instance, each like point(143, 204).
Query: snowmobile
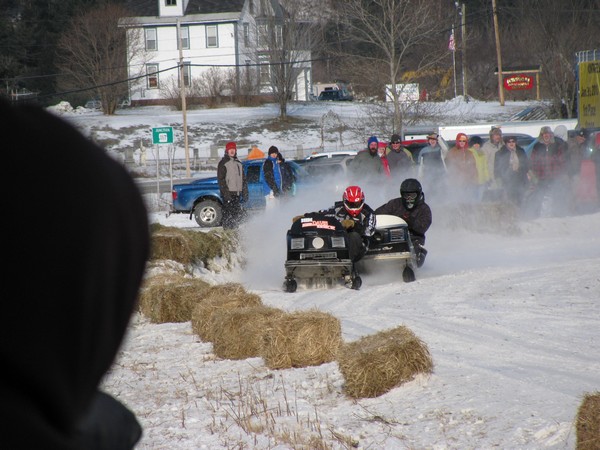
point(317, 252)
point(391, 243)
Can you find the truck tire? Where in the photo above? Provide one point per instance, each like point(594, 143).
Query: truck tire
point(208, 213)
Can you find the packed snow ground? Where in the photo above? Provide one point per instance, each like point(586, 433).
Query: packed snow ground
point(511, 321)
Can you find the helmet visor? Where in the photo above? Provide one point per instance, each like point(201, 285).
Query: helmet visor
point(353, 205)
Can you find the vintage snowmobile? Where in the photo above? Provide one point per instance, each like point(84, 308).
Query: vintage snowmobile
point(317, 251)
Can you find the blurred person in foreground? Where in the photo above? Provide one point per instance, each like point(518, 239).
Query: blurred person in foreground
point(66, 320)
point(233, 187)
point(411, 207)
point(356, 217)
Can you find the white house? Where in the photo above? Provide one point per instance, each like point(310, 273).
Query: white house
point(217, 34)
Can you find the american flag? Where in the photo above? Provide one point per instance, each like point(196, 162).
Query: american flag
point(451, 44)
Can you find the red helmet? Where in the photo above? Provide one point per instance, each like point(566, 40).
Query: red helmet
point(354, 199)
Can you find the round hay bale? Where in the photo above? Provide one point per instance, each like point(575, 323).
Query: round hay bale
point(302, 339)
point(170, 298)
point(221, 297)
point(375, 364)
point(588, 423)
point(239, 333)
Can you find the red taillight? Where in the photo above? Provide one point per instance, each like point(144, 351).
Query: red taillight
point(174, 195)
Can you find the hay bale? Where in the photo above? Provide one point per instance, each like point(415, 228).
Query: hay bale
point(170, 298)
point(588, 423)
point(217, 298)
point(302, 339)
point(239, 333)
point(375, 364)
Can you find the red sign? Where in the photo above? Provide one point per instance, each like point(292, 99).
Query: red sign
point(518, 82)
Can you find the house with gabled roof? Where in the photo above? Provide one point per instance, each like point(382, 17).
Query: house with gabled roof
point(215, 37)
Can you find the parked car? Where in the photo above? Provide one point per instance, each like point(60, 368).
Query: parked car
point(202, 200)
point(335, 95)
point(327, 155)
point(326, 167)
point(93, 103)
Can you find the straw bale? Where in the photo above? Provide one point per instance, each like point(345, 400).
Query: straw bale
point(239, 333)
point(588, 423)
point(375, 364)
point(170, 298)
point(172, 244)
point(301, 339)
point(221, 297)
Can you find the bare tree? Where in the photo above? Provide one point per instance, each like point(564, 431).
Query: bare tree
point(383, 38)
point(552, 31)
point(92, 52)
point(285, 36)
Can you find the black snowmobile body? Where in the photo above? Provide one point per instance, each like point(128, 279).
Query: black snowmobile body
point(317, 251)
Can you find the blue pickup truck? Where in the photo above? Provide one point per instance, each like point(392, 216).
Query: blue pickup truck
point(202, 198)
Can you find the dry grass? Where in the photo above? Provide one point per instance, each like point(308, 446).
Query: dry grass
point(191, 247)
point(588, 423)
point(239, 333)
point(170, 298)
point(302, 339)
point(375, 364)
point(218, 298)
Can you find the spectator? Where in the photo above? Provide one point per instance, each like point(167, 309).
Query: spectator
point(400, 160)
point(233, 187)
point(288, 178)
point(595, 157)
point(432, 166)
point(411, 207)
point(62, 332)
point(510, 170)
point(490, 148)
point(381, 151)
point(367, 164)
point(548, 174)
point(272, 183)
point(483, 175)
point(462, 169)
point(578, 151)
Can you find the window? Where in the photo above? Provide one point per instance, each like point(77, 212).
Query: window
point(152, 75)
point(246, 34)
point(184, 38)
point(170, 2)
point(262, 35)
point(151, 43)
point(278, 35)
point(253, 174)
point(211, 36)
point(187, 75)
point(264, 70)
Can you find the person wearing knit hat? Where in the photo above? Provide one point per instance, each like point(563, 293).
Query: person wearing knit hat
point(549, 173)
point(399, 159)
point(490, 148)
point(233, 187)
point(510, 170)
point(272, 183)
point(462, 169)
point(367, 164)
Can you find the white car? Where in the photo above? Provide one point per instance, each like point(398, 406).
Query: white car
point(338, 154)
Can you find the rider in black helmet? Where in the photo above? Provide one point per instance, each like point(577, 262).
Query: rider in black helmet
point(411, 207)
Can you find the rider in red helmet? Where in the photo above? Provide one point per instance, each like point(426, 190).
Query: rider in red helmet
point(356, 217)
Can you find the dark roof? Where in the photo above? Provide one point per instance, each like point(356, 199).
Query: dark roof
point(146, 8)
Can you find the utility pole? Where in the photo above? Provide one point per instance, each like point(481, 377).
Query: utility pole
point(463, 30)
point(498, 54)
point(183, 101)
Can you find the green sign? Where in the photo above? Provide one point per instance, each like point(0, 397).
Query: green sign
point(162, 135)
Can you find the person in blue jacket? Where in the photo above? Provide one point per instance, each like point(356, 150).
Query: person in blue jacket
point(272, 183)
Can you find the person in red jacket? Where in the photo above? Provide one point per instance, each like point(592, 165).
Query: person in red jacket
point(463, 177)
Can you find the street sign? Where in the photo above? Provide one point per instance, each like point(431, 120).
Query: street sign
point(162, 135)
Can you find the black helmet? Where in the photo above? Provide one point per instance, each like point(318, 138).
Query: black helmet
point(411, 192)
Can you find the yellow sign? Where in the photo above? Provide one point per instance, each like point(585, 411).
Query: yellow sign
point(589, 94)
